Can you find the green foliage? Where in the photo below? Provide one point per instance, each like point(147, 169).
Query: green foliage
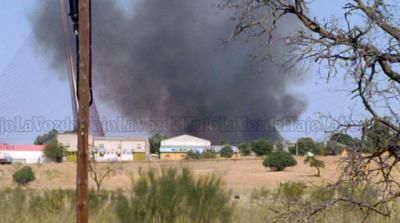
point(290, 193)
point(279, 146)
point(260, 194)
point(155, 143)
point(316, 163)
point(226, 151)
point(292, 149)
point(279, 160)
point(261, 147)
point(39, 206)
point(54, 151)
point(193, 155)
point(322, 194)
point(208, 154)
point(245, 149)
point(24, 175)
point(342, 138)
point(43, 139)
point(337, 143)
point(379, 136)
point(175, 196)
point(307, 144)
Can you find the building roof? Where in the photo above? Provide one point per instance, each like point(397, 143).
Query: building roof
point(185, 140)
point(21, 147)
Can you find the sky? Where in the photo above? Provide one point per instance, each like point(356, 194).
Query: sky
point(32, 96)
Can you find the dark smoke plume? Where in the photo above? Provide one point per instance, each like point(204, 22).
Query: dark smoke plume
point(165, 61)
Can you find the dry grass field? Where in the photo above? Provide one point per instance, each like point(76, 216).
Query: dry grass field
point(238, 175)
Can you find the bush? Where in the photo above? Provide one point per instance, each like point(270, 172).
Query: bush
point(175, 196)
point(307, 144)
point(193, 155)
point(226, 152)
point(54, 151)
point(245, 149)
point(261, 147)
point(279, 160)
point(24, 175)
point(290, 193)
point(208, 154)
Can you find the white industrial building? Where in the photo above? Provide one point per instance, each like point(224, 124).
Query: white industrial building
point(176, 148)
point(23, 153)
point(121, 148)
point(109, 148)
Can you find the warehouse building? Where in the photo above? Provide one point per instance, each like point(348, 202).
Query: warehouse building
point(176, 148)
point(121, 148)
point(23, 153)
point(109, 148)
point(70, 141)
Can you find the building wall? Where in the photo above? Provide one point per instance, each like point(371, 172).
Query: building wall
point(112, 148)
point(173, 156)
point(120, 149)
point(70, 141)
point(26, 156)
point(24, 153)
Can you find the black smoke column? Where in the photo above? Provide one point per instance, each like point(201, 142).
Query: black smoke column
point(166, 61)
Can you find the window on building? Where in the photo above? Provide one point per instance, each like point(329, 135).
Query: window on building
point(101, 146)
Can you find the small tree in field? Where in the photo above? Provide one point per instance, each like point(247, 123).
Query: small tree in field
point(226, 152)
point(24, 175)
point(99, 174)
point(314, 162)
point(279, 160)
point(54, 151)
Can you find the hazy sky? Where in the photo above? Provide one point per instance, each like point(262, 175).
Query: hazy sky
point(29, 91)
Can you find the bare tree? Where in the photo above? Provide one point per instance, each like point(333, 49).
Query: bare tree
point(363, 43)
point(99, 174)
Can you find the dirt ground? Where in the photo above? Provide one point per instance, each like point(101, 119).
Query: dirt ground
point(238, 175)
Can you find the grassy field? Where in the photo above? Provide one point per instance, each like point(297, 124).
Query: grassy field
point(239, 175)
point(157, 196)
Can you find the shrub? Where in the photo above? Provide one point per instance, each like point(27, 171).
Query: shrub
point(208, 154)
point(307, 144)
point(292, 150)
point(245, 149)
point(261, 147)
point(290, 193)
point(226, 152)
point(54, 151)
point(279, 160)
point(24, 175)
point(193, 155)
point(175, 196)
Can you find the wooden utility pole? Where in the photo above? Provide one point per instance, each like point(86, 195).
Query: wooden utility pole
point(83, 116)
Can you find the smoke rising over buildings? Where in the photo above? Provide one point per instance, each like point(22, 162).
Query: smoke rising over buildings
point(166, 60)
